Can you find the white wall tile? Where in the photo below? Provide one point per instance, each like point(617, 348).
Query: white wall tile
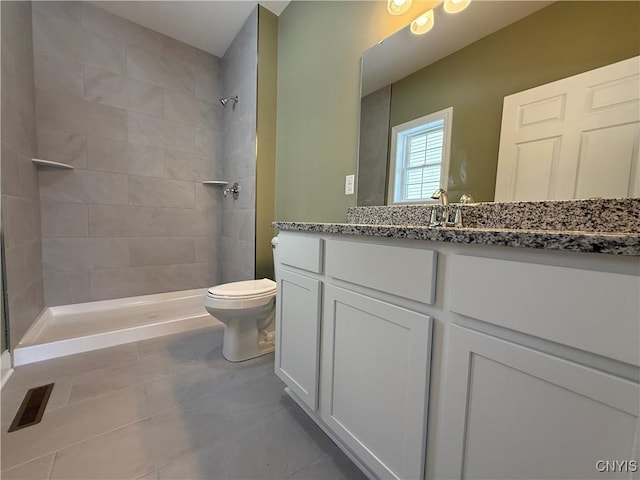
point(118, 91)
point(63, 288)
point(69, 114)
point(11, 160)
point(161, 250)
point(192, 111)
point(208, 80)
point(190, 223)
point(152, 192)
point(80, 254)
point(58, 74)
point(103, 22)
point(189, 166)
point(58, 30)
point(20, 205)
point(126, 221)
point(150, 66)
point(122, 157)
point(63, 147)
point(157, 132)
point(240, 78)
point(83, 186)
point(208, 142)
point(64, 219)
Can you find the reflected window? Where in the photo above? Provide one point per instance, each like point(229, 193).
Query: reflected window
point(420, 157)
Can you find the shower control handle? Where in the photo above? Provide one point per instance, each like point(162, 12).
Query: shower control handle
point(234, 190)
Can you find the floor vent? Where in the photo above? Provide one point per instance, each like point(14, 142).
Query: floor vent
point(32, 407)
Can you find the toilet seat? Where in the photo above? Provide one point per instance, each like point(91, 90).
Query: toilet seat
point(241, 295)
point(245, 290)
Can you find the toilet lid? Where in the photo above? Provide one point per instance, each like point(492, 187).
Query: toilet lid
point(247, 288)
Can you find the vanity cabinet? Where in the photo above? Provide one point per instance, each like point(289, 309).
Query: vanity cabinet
point(299, 259)
point(530, 404)
point(375, 372)
point(376, 352)
point(513, 412)
point(528, 361)
point(357, 311)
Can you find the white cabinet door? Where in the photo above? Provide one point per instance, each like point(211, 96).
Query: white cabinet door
point(514, 413)
point(375, 370)
point(574, 138)
point(298, 312)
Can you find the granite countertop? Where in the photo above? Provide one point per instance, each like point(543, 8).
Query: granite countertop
point(610, 243)
point(593, 226)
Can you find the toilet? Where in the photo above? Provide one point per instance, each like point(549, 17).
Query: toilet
point(248, 311)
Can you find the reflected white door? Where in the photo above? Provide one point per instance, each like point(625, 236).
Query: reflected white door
point(574, 138)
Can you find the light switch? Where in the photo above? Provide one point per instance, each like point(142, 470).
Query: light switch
point(349, 181)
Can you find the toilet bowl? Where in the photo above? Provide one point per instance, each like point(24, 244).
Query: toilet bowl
point(248, 311)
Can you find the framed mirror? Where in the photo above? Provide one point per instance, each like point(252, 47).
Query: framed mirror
point(469, 62)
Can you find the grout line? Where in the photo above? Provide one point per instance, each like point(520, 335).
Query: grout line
point(29, 461)
point(308, 464)
point(156, 470)
point(53, 461)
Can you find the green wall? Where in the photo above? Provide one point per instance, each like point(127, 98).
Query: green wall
point(561, 40)
point(319, 50)
point(266, 140)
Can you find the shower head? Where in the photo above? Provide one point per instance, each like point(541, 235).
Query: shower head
point(224, 101)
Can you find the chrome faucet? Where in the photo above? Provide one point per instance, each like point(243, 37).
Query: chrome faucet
point(440, 194)
point(466, 198)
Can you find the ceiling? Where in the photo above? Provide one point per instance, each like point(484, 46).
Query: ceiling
point(208, 25)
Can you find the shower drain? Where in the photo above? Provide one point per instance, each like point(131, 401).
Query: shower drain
point(32, 407)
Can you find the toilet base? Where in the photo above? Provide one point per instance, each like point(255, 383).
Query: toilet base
point(248, 326)
point(242, 341)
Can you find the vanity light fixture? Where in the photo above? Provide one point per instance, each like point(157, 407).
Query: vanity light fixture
point(423, 23)
point(398, 7)
point(455, 6)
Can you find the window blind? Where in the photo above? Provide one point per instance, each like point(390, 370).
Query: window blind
point(423, 151)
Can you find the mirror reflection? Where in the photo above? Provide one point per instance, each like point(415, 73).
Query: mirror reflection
point(468, 63)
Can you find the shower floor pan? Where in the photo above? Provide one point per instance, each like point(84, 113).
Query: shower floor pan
point(81, 327)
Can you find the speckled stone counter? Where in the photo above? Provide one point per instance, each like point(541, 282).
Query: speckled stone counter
point(616, 215)
point(594, 226)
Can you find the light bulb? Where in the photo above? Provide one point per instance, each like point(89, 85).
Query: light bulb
point(398, 7)
point(423, 23)
point(455, 6)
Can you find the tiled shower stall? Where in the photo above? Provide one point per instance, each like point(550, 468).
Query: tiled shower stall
point(137, 115)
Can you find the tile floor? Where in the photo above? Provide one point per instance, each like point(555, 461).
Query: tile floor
point(166, 408)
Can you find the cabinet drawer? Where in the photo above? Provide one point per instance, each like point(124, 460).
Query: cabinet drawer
point(405, 272)
point(594, 311)
point(300, 251)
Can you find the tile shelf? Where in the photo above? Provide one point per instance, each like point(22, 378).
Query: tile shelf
point(219, 183)
point(47, 163)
